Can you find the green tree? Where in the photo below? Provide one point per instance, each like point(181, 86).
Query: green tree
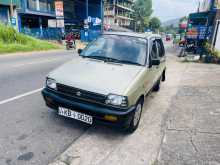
point(154, 23)
point(183, 19)
point(171, 29)
point(142, 12)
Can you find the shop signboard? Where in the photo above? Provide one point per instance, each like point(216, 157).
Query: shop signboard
point(202, 32)
point(89, 19)
point(59, 8)
point(13, 21)
point(192, 33)
point(60, 23)
point(52, 23)
point(96, 21)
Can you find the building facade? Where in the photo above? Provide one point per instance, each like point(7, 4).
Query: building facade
point(33, 17)
point(84, 17)
point(118, 12)
point(216, 33)
point(48, 19)
point(8, 12)
point(213, 6)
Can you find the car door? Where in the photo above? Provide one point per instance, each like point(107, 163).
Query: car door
point(149, 73)
point(154, 54)
point(161, 56)
point(147, 79)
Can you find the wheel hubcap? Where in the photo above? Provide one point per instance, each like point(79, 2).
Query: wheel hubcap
point(137, 114)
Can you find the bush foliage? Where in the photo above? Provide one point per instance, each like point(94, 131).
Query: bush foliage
point(211, 51)
point(12, 41)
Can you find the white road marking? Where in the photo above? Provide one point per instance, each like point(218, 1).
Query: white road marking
point(38, 62)
point(20, 96)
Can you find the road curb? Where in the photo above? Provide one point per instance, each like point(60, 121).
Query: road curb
point(31, 52)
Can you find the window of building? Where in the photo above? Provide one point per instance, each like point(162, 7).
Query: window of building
point(4, 14)
point(32, 4)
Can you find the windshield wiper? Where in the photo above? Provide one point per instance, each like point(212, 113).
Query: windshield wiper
point(122, 61)
point(96, 57)
point(130, 62)
point(109, 59)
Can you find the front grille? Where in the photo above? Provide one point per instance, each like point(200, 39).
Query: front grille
point(81, 94)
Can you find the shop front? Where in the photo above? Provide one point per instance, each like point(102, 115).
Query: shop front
point(216, 34)
point(34, 16)
point(84, 17)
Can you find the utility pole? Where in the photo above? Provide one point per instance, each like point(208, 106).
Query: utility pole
point(199, 7)
point(11, 9)
point(87, 9)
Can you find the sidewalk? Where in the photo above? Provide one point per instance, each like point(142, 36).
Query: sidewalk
point(192, 131)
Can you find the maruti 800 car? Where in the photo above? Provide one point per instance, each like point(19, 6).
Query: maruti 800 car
point(108, 81)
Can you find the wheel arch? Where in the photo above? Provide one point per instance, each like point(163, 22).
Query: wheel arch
point(141, 98)
point(164, 75)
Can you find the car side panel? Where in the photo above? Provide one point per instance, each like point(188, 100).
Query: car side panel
point(135, 89)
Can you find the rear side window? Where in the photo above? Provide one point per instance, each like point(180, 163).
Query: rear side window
point(154, 51)
point(161, 49)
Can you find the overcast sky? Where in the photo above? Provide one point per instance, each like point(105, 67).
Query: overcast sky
point(171, 9)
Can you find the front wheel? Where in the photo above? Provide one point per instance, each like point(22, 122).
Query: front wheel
point(67, 47)
point(136, 116)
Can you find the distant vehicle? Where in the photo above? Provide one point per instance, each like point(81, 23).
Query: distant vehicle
point(178, 37)
point(108, 82)
point(168, 37)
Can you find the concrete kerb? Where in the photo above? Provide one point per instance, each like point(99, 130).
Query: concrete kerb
point(79, 45)
point(30, 53)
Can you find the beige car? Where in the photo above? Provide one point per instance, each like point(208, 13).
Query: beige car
point(108, 81)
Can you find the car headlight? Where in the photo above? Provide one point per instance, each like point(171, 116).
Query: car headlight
point(117, 100)
point(51, 83)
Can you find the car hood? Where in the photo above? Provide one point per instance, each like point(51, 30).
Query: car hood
point(96, 76)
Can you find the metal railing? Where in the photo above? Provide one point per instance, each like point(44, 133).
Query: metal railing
point(44, 33)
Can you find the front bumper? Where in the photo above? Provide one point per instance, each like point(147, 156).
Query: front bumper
point(55, 100)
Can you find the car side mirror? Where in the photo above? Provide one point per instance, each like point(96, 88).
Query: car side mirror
point(155, 61)
point(80, 51)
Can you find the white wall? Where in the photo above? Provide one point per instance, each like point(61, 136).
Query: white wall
point(205, 5)
point(217, 43)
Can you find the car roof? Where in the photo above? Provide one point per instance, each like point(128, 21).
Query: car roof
point(133, 34)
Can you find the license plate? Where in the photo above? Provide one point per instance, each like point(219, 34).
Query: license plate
point(75, 115)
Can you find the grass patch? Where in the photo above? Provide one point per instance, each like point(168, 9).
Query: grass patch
point(11, 41)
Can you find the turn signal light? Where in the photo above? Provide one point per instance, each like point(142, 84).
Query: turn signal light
point(110, 118)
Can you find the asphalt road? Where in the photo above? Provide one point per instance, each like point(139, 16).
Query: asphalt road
point(30, 133)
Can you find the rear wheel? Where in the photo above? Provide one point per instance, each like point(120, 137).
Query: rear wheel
point(136, 116)
point(164, 76)
point(157, 85)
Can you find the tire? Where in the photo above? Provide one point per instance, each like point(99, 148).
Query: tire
point(156, 88)
point(164, 76)
point(136, 116)
point(67, 47)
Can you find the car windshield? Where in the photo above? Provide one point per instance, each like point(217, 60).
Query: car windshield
point(116, 48)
